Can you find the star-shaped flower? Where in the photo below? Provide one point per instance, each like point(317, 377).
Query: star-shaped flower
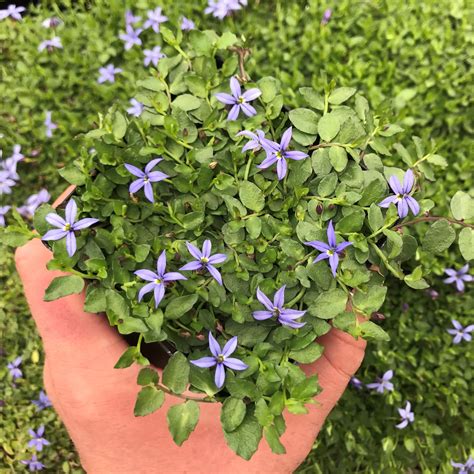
point(238, 100)
point(33, 464)
point(107, 73)
point(49, 124)
point(204, 260)
point(383, 383)
point(38, 441)
point(460, 333)
point(155, 18)
point(50, 44)
point(14, 368)
point(3, 211)
point(458, 277)
point(153, 56)
point(407, 416)
point(187, 24)
point(220, 358)
point(330, 250)
point(157, 280)
point(145, 178)
point(42, 402)
point(12, 11)
point(131, 37)
point(286, 317)
point(67, 227)
point(278, 153)
point(401, 196)
point(255, 139)
point(136, 109)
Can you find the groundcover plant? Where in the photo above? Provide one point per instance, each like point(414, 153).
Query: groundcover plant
point(215, 220)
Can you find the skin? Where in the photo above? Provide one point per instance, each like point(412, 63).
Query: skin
point(95, 401)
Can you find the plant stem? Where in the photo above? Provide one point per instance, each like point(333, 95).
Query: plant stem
point(431, 219)
point(184, 397)
point(384, 259)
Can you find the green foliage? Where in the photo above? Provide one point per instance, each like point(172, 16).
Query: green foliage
point(356, 48)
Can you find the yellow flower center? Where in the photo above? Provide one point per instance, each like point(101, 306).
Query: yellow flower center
point(241, 100)
point(220, 358)
point(204, 260)
point(157, 281)
point(67, 227)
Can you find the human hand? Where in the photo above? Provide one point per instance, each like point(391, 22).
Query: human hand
point(95, 401)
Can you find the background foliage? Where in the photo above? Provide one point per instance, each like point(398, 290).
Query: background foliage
point(411, 58)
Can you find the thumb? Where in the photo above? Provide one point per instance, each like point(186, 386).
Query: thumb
point(67, 331)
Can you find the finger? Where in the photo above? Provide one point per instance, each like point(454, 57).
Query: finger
point(342, 356)
point(67, 331)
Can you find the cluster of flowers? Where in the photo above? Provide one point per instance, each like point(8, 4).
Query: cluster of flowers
point(37, 440)
point(9, 178)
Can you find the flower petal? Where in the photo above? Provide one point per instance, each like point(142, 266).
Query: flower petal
point(204, 362)
point(146, 289)
point(252, 94)
point(71, 211)
point(146, 275)
point(264, 300)
point(215, 273)
point(331, 235)
point(295, 155)
point(333, 263)
point(230, 347)
point(161, 263)
point(225, 98)
point(134, 170)
point(158, 293)
point(318, 245)
point(262, 315)
point(321, 256)
point(192, 266)
point(267, 162)
point(214, 346)
point(279, 298)
point(396, 186)
point(84, 223)
point(206, 248)
point(292, 314)
point(136, 185)
point(402, 208)
point(55, 220)
point(173, 276)
point(194, 251)
point(217, 258)
point(248, 110)
point(151, 165)
point(413, 204)
point(235, 87)
point(387, 201)
point(340, 247)
point(149, 191)
point(55, 234)
point(156, 176)
point(286, 138)
point(282, 168)
point(234, 113)
point(71, 244)
point(235, 364)
point(219, 377)
point(408, 181)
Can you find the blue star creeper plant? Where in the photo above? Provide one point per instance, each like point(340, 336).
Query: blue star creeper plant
point(234, 214)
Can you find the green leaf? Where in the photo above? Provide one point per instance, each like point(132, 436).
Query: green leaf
point(72, 174)
point(127, 358)
point(245, 439)
point(176, 373)
point(305, 120)
point(227, 39)
point(63, 286)
point(308, 354)
point(462, 206)
point(371, 330)
point(269, 87)
point(341, 94)
point(328, 127)
point(119, 126)
point(273, 440)
point(182, 420)
point(179, 306)
point(306, 389)
point(338, 158)
point(312, 98)
point(439, 237)
point(251, 196)
point(376, 219)
point(232, 413)
point(415, 279)
point(147, 376)
point(466, 243)
point(370, 300)
point(149, 399)
point(329, 304)
point(186, 102)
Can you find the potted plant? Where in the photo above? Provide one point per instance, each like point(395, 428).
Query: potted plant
point(223, 233)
